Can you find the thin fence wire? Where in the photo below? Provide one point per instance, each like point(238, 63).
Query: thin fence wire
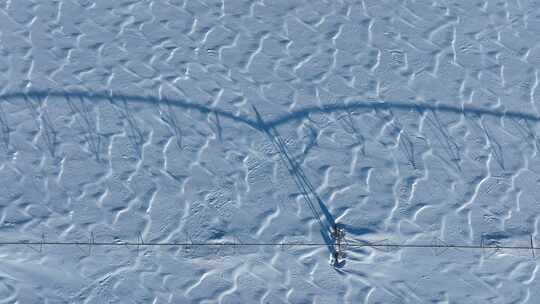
point(263, 244)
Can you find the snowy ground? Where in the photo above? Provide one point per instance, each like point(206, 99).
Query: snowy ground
point(415, 122)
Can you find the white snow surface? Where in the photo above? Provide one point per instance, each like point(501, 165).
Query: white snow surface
point(409, 122)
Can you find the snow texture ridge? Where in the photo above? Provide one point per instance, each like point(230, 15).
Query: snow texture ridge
point(139, 123)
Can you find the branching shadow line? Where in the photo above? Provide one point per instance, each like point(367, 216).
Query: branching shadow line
point(284, 119)
point(270, 125)
point(107, 97)
point(389, 105)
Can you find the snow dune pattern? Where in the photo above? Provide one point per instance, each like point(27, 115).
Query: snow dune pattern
point(406, 122)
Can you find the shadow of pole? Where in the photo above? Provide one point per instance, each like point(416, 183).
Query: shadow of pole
point(302, 182)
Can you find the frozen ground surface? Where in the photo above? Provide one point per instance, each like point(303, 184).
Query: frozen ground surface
point(415, 122)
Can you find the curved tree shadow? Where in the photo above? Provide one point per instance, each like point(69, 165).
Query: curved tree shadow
point(269, 126)
point(284, 119)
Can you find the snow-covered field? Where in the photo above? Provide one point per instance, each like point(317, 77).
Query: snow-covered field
point(249, 122)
